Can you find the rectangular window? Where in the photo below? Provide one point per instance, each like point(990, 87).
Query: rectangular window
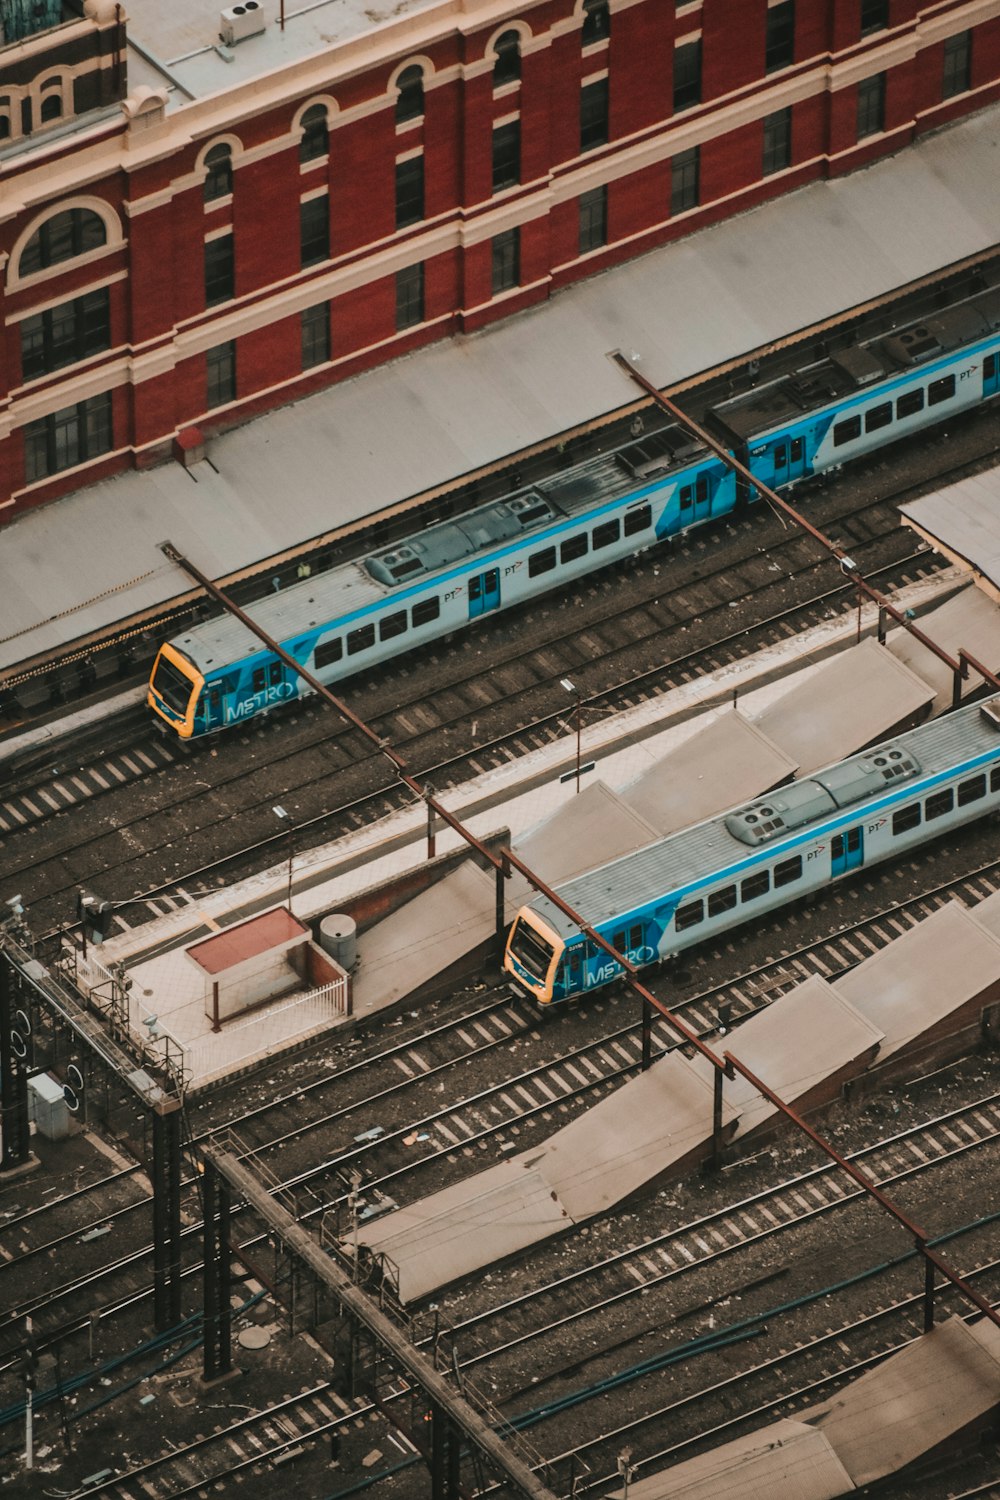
point(777, 141)
point(275, 673)
point(878, 416)
point(638, 520)
point(409, 296)
point(687, 497)
point(315, 324)
point(906, 818)
point(874, 15)
point(909, 403)
point(258, 680)
point(67, 437)
point(685, 180)
point(689, 916)
point(506, 155)
point(505, 250)
point(221, 368)
point(606, 534)
point(593, 219)
point(392, 626)
point(871, 106)
point(846, 431)
point(971, 790)
point(788, 871)
point(314, 230)
point(755, 886)
point(541, 562)
point(594, 114)
point(220, 270)
point(687, 75)
point(779, 41)
point(360, 639)
point(720, 901)
point(940, 390)
point(65, 334)
point(327, 652)
point(990, 367)
point(574, 547)
point(957, 75)
point(939, 804)
point(409, 191)
point(995, 779)
point(426, 611)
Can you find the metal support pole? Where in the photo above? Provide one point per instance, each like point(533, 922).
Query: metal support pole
point(439, 1434)
point(15, 1126)
point(928, 1290)
point(861, 600)
point(881, 624)
point(166, 1217)
point(454, 1462)
point(501, 926)
point(647, 1036)
point(210, 1251)
point(216, 1023)
point(431, 844)
point(579, 732)
point(717, 1118)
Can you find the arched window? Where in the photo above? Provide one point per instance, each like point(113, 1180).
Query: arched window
point(70, 233)
point(410, 102)
point(6, 128)
point(218, 172)
point(596, 21)
point(315, 140)
point(507, 68)
point(51, 108)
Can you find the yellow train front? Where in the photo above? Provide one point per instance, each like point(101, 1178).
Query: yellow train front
point(532, 957)
point(176, 689)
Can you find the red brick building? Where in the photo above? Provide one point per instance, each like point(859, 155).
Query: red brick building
point(194, 230)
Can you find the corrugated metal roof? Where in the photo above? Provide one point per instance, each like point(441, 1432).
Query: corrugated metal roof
point(965, 518)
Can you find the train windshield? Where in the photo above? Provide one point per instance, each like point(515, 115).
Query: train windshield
point(172, 685)
point(531, 949)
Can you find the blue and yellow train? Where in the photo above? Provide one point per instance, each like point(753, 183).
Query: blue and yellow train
point(747, 863)
point(840, 406)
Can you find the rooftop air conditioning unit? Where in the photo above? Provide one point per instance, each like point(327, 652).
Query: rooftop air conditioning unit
point(241, 21)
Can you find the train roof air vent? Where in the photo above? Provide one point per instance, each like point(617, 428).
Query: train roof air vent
point(792, 807)
point(865, 775)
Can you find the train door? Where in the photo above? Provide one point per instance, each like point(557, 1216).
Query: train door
point(789, 460)
point(847, 851)
point(484, 593)
point(991, 374)
point(208, 710)
point(695, 500)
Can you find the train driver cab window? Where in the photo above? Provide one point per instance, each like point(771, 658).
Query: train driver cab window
point(541, 562)
point(638, 520)
point(939, 804)
point(909, 403)
point(327, 652)
point(846, 431)
point(971, 790)
point(574, 547)
point(392, 625)
point(607, 534)
point(755, 885)
point(788, 871)
point(878, 416)
point(360, 639)
point(689, 915)
point(906, 818)
point(940, 390)
point(720, 901)
point(426, 611)
point(275, 672)
point(259, 679)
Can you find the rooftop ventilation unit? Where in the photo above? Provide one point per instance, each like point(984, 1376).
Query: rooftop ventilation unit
point(241, 21)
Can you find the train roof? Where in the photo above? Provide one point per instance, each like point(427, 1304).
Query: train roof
point(720, 844)
point(844, 372)
point(354, 586)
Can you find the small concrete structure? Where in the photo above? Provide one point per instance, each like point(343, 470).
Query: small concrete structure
point(852, 700)
point(257, 961)
point(47, 1107)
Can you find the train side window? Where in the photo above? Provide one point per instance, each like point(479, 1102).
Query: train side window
point(971, 790)
point(360, 639)
point(215, 698)
point(618, 940)
point(574, 547)
point(392, 625)
point(575, 960)
point(906, 818)
point(607, 533)
point(755, 885)
point(541, 562)
point(687, 499)
point(846, 431)
point(720, 901)
point(940, 390)
point(426, 611)
point(635, 935)
point(878, 416)
point(259, 679)
point(939, 804)
point(909, 403)
point(995, 779)
point(788, 871)
point(274, 672)
point(990, 367)
point(689, 915)
point(327, 652)
point(639, 519)
point(798, 450)
point(701, 487)
point(780, 456)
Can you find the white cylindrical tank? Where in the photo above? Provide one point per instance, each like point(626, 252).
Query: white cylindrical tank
point(338, 936)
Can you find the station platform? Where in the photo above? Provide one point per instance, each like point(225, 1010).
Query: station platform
point(713, 298)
